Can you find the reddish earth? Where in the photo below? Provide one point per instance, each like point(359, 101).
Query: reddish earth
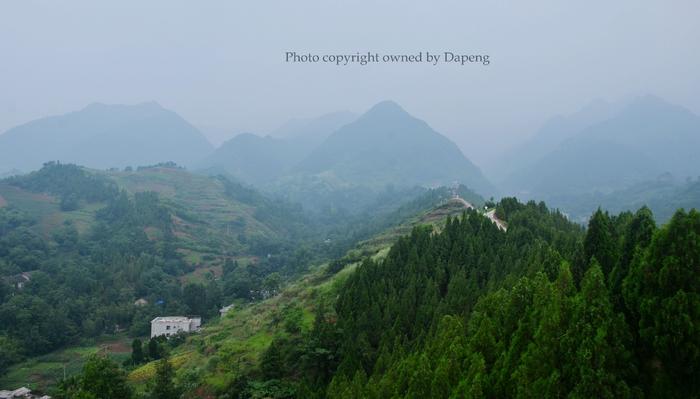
point(116, 347)
point(204, 392)
point(2, 202)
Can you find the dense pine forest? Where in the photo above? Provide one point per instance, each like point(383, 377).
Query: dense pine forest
point(544, 310)
point(541, 311)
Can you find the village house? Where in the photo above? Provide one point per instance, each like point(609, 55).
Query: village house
point(225, 310)
point(171, 325)
point(21, 393)
point(19, 281)
point(140, 302)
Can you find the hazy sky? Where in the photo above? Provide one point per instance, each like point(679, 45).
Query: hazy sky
point(220, 64)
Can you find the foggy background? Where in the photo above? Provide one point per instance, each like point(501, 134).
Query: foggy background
point(221, 65)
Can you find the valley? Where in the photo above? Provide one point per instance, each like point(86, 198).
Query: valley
point(338, 256)
point(211, 231)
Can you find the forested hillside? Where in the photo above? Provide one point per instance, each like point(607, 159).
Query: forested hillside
point(77, 285)
point(86, 255)
point(458, 307)
point(225, 359)
point(542, 310)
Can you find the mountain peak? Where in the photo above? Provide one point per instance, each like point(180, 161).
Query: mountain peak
point(655, 109)
point(146, 105)
point(386, 145)
point(647, 102)
point(103, 136)
point(386, 108)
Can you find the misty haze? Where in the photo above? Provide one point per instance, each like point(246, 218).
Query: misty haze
point(325, 200)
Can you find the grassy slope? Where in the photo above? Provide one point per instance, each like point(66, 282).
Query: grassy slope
point(207, 222)
point(41, 372)
point(235, 343)
point(45, 209)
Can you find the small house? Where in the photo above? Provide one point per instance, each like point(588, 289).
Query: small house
point(20, 393)
point(140, 302)
point(225, 310)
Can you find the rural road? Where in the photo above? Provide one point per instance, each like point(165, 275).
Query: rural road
point(490, 214)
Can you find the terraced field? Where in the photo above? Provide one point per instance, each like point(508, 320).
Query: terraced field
point(44, 371)
point(201, 208)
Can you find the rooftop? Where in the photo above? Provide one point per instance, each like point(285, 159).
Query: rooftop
point(173, 319)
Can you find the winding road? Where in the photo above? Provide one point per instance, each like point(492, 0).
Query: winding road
point(490, 214)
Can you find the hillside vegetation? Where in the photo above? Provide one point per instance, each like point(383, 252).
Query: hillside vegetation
point(465, 309)
point(545, 309)
point(232, 349)
point(121, 247)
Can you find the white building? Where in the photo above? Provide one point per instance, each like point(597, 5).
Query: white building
point(171, 325)
point(20, 393)
point(225, 310)
point(18, 281)
point(140, 302)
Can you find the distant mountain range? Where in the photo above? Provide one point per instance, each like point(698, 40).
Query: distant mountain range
point(384, 146)
point(617, 147)
point(104, 136)
point(550, 135)
point(342, 155)
point(341, 158)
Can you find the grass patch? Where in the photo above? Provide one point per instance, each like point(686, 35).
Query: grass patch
point(40, 373)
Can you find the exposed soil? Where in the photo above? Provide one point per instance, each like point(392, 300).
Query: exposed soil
point(116, 347)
